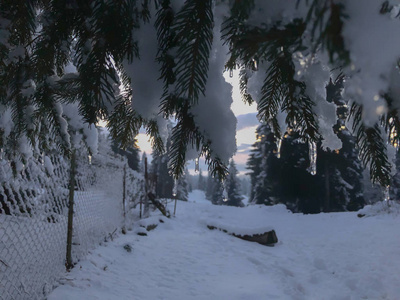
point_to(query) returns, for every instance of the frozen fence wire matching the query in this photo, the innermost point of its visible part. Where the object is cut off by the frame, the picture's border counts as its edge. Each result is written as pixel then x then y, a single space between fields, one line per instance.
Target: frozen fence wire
pixel 33 216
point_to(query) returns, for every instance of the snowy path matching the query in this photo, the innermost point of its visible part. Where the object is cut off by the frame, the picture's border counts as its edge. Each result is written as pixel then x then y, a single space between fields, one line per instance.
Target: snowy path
pixel 325 256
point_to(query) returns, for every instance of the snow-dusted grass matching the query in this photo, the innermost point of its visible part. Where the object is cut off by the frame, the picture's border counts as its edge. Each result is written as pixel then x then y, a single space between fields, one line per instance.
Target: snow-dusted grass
pixel 324 256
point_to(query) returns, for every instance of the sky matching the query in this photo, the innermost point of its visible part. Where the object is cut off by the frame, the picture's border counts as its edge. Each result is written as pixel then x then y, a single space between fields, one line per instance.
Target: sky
pixel 247 123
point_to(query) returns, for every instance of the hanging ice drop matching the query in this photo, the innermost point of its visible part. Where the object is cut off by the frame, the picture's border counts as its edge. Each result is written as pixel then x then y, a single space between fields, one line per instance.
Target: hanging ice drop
pixel 313 157
pixel 387 193
pixel 196 165
pixel 278 151
pixel 230 73
pixel 90 159
pixel 224 195
pixel 175 188
pixel 255 64
pixel 1 153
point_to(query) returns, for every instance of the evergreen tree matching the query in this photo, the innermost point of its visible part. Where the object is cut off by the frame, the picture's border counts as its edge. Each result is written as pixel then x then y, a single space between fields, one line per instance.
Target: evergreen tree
pixel 182 189
pixel 232 187
pixel 209 186
pixel 337 184
pixel 163 181
pixel 201 185
pixel 189 180
pixel 297 188
pixel 217 192
pixel 246 185
pixel 345 189
pixel 262 163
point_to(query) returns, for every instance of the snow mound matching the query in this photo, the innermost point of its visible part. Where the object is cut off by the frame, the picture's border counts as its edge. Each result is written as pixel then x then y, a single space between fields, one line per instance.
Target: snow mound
pixel 321 256
pixel 243 221
pixel 381 208
pixel 198 196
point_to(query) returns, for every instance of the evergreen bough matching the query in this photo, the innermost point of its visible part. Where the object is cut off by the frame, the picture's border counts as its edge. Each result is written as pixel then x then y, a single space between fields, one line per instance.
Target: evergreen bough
pixel 40 38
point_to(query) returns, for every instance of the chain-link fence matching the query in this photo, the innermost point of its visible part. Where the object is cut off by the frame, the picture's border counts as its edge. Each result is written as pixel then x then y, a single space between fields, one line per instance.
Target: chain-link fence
pixel 34 203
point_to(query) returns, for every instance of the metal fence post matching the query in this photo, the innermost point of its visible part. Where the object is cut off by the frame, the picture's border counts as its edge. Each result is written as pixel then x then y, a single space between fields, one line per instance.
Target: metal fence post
pixel 69 265
pixel 123 200
pixel 146 187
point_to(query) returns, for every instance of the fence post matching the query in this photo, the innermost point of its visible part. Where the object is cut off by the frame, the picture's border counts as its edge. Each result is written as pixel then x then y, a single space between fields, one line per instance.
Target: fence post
pixel 69 265
pixel 146 200
pixel 123 200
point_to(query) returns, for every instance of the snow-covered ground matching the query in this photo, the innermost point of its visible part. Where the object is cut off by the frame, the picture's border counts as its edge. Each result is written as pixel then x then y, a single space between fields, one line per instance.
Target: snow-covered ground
pixel 324 256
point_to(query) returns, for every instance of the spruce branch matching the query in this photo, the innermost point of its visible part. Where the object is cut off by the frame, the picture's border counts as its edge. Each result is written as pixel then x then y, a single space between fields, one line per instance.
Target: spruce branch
pixel 233 27
pixel 300 114
pixel 112 23
pixel 123 123
pixel 156 140
pixel 22 18
pixel 51 48
pixel 243 80
pixel 372 147
pixel 326 31
pixel 170 104
pixel 216 167
pixel 272 91
pixel 97 83
pixel 187 133
pixel 241 9
pixel 281 91
pixel 391 121
pixel 166 41
pixel 194 30
pixel 49 113
pixel 264 44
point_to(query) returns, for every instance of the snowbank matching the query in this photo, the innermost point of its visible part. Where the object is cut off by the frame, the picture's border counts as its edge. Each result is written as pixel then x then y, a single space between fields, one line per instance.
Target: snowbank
pixel 324 256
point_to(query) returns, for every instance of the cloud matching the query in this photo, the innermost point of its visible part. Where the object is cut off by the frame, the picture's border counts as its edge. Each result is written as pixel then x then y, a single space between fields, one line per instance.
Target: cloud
pixel 247 120
pixel 246 136
pixel 244 148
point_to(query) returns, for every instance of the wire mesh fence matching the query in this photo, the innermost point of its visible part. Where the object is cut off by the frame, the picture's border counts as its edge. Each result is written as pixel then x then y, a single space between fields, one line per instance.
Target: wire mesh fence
pixel 34 215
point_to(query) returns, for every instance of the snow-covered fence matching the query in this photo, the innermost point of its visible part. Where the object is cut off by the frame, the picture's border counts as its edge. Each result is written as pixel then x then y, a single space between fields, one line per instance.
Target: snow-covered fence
pixel 34 213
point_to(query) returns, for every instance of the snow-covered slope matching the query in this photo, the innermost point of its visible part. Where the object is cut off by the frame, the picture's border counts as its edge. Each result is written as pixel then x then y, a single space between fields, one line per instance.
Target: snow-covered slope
pixel 324 256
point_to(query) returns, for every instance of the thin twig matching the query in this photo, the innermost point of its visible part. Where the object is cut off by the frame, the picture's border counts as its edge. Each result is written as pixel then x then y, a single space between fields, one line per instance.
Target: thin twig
pixel 4 263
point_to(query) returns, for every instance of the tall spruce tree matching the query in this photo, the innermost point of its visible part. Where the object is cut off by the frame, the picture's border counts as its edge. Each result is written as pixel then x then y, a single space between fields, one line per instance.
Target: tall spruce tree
pixel 209 186
pixel 217 192
pixel 342 164
pixel 201 183
pixel 232 187
pixel 262 163
pixel 163 181
pixel 182 188
pixel 297 187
